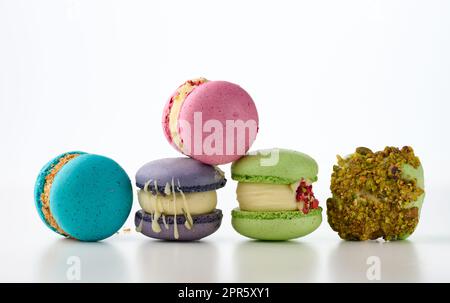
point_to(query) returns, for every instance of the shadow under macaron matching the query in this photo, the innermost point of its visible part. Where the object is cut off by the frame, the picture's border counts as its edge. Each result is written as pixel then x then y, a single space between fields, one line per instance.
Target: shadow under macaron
pixel 69 260
pixel 161 261
pixel 257 261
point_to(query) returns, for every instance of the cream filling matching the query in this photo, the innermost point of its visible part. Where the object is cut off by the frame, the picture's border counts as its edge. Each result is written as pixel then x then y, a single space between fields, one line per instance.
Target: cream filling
pixel 194 203
pixel 266 197
pixel 178 101
pixel 45 196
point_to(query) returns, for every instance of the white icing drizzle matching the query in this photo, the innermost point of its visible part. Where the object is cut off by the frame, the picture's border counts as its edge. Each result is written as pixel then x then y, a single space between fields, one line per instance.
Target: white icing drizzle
pixel 147 184
pixel 175 226
pixel 165 222
pixel 167 189
pixel 139 227
pixel 155 225
pixel 158 209
pixel 189 223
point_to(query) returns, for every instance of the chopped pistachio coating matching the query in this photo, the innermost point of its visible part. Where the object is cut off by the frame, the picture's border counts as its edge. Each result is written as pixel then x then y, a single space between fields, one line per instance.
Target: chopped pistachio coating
pixel 372 198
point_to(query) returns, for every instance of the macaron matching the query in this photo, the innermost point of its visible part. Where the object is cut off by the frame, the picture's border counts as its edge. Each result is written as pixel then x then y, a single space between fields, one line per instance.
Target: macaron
pixel 83 196
pixel 214 122
pixel 178 199
pixel 274 191
pixel 376 194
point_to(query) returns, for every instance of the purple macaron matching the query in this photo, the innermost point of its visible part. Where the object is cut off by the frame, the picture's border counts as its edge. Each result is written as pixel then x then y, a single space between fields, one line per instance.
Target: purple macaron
pixel 178 199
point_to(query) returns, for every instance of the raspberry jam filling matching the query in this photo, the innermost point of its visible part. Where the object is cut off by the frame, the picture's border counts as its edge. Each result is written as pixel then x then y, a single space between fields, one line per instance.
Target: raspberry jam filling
pixel 305 197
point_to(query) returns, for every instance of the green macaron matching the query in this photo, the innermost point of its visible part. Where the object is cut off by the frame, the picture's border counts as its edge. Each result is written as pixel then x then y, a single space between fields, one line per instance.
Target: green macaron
pixel 277 166
pixel 275 195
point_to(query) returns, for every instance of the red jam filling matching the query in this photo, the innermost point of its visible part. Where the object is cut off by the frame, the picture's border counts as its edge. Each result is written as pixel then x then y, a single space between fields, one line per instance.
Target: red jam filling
pixel 305 197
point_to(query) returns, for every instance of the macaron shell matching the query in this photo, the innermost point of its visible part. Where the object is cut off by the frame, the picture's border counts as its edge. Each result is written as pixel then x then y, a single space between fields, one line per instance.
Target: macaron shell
pixel 275 226
pixel 188 174
pixel 91 197
pixel 40 183
pixel 219 101
pixel 204 225
pixel 275 166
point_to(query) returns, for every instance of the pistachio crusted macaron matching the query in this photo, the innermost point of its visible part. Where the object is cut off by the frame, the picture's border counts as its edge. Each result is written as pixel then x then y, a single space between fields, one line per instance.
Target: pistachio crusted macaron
pixel 275 196
pixel 376 194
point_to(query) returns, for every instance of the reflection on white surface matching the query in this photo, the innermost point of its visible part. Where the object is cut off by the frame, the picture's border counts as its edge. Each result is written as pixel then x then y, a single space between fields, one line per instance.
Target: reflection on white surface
pixel 160 261
pixel 257 261
pixel 399 261
pixel 99 262
pixel 130 258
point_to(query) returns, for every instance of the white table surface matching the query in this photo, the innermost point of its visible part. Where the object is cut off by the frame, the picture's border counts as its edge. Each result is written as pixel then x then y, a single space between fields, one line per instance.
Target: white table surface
pixel 32 253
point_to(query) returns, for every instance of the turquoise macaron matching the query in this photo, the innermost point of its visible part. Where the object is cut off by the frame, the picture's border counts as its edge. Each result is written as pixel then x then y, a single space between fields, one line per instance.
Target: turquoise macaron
pixel 83 196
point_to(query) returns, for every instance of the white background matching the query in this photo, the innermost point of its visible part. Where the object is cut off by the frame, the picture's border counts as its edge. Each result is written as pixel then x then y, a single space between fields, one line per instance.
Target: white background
pixel 326 76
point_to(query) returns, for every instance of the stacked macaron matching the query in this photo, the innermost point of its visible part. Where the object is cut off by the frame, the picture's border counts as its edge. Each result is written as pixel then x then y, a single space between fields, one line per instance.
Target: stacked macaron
pixel 88 197
pixel 178 199
pixel 275 196
pixel 209 122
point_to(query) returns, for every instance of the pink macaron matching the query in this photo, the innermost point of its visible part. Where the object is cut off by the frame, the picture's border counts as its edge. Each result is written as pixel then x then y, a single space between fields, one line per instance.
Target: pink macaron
pixel 214 122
